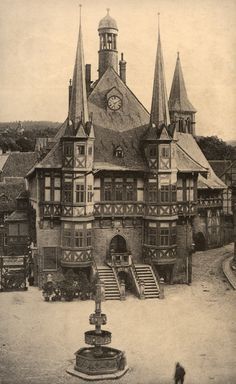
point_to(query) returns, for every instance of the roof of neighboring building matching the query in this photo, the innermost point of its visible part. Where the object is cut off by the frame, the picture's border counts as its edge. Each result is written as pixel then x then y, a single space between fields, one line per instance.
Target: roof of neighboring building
pixel 17 216
pixel 9 193
pixel 18 164
pixel 222 166
pixel 3 159
pixel 189 145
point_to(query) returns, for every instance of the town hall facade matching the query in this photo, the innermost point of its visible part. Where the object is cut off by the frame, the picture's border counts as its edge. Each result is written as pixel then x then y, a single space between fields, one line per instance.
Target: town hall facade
pixel 121 191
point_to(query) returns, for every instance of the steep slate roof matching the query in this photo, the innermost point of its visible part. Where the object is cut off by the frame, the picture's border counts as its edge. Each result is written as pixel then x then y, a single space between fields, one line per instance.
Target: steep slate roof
pixel 18 164
pixel 106 142
pixel 3 159
pixel 189 145
pixel 178 100
pixel 132 113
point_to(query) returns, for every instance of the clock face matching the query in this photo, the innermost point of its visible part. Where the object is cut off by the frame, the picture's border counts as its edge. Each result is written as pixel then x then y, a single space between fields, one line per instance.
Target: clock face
pixel 114 103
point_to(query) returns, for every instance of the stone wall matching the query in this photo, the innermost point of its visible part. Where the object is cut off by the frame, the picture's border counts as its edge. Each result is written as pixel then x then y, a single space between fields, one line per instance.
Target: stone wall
pixel 103 236
pixel 184 243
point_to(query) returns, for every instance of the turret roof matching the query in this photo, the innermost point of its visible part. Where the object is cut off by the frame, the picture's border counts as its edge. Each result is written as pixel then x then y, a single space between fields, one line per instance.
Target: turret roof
pixel 178 100
pixel 107 22
pixel 78 103
pixel 159 108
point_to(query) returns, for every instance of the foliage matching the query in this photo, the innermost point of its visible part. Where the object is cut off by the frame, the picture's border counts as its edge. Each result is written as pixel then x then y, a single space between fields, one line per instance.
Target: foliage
pixel 74 285
pixel 215 148
pixel 13 139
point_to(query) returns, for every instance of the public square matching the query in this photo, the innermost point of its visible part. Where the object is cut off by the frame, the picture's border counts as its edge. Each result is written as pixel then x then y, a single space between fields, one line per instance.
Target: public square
pixel 194 325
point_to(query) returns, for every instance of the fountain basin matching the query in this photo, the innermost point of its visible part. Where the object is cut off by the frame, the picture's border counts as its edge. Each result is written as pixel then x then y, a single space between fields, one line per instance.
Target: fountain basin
pixel 93 338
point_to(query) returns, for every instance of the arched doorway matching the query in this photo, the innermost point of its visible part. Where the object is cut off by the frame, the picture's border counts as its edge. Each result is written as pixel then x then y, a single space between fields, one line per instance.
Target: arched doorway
pixel 200 241
pixel 118 244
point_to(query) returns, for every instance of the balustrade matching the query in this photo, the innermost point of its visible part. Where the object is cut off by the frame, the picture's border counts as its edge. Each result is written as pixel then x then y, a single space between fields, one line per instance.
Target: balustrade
pixel 216 202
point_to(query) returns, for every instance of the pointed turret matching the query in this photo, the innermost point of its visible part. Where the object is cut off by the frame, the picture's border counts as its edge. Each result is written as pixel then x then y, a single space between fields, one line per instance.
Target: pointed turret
pixel 78 101
pixel 159 109
pixel 178 95
pixel 181 110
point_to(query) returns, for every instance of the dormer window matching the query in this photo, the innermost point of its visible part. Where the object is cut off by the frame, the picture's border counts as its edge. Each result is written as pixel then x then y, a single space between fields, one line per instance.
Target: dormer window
pixel 119 152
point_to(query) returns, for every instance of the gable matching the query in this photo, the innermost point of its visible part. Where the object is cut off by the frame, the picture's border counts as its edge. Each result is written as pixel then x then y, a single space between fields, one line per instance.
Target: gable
pixel 131 114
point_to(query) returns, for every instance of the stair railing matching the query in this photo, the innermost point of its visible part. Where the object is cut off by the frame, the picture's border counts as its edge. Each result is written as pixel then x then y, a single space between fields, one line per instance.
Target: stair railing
pixel 135 278
pixel 117 280
pixel 155 274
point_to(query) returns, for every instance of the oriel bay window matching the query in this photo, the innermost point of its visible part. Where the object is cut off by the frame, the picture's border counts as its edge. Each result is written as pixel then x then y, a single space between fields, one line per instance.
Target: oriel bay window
pixel 77 235
pixel 119 189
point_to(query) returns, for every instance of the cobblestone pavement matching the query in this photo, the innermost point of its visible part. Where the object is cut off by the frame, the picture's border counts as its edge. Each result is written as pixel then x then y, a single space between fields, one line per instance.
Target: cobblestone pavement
pixel 194 325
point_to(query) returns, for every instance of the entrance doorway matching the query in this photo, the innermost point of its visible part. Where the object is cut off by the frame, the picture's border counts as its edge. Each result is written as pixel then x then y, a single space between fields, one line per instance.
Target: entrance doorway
pixel 165 272
pixel 200 241
pixel 118 244
pixel 124 276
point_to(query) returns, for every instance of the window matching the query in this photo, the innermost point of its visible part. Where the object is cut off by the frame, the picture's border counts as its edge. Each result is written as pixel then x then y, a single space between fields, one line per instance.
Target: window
pixel 119 152
pixel 152 192
pixel 173 235
pixel 50 258
pixel 165 193
pixel 153 151
pixel 80 193
pixel 152 234
pixel 173 193
pixel 118 189
pixel 47 191
pixel 79 235
pixel 81 150
pixel 165 152
pixel 68 192
pixel 89 237
pixel 90 193
pixel 57 189
pixel 68 150
pixel 164 236
pixel 67 240
pixel 107 192
pixel 129 192
pixel 179 189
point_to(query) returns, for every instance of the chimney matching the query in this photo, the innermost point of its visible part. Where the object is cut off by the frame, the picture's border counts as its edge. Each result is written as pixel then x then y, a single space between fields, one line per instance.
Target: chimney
pixel 88 78
pixel 70 90
pixel 122 65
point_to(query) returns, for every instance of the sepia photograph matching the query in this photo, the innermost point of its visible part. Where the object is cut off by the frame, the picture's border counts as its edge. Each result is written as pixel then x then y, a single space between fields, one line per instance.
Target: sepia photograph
pixel 117 191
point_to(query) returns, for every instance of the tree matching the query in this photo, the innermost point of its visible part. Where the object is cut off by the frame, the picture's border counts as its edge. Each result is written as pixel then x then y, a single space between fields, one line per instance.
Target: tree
pixel 215 148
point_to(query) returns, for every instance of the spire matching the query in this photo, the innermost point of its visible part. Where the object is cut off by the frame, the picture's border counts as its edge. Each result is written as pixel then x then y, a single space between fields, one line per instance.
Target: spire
pixel 159 109
pixel 178 100
pixel 78 104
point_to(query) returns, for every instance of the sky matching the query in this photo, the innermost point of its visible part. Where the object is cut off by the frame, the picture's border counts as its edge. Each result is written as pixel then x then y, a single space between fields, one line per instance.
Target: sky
pixel 38 41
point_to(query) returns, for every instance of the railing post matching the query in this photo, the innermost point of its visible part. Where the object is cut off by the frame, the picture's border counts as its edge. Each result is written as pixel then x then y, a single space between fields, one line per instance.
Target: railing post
pixel 142 289
pixel 122 291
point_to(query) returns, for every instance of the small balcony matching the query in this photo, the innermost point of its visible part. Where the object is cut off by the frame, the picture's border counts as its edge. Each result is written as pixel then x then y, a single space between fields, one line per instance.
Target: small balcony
pixel 73 258
pixel 120 259
pixel 124 208
pixel 215 202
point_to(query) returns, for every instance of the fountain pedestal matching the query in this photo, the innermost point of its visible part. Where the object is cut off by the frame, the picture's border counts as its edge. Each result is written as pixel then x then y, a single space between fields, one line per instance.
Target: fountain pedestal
pixel 98 362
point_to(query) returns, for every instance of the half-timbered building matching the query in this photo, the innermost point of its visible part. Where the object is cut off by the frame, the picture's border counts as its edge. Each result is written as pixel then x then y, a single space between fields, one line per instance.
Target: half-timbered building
pixel 123 191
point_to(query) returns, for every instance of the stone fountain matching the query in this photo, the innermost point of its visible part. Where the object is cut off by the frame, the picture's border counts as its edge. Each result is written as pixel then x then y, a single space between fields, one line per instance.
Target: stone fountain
pixel 99 361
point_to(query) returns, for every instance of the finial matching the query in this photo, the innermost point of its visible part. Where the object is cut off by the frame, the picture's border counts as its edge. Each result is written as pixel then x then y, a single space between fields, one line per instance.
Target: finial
pixel 108 10
pixel 80 6
pixel 70 82
pixel 158 17
pixel 178 55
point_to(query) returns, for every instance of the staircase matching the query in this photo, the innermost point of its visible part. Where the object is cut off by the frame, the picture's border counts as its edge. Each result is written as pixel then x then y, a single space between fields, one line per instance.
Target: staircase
pixel 146 274
pixel 107 275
